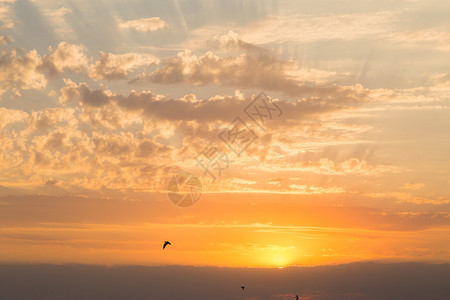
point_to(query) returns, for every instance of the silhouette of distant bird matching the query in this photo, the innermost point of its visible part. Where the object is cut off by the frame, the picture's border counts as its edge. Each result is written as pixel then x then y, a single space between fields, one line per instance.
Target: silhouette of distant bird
pixel 165 244
pixel 296 297
pixel 242 287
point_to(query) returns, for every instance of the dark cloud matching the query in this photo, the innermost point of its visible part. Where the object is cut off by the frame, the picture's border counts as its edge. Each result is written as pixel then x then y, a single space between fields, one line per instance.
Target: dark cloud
pixel 371 281
pixel 218 108
pixel 51 182
pixel 56 140
pixel 49 118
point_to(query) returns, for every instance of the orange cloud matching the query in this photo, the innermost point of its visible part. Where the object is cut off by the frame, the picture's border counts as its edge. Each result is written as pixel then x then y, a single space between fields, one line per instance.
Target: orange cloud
pixel 10 116
pixel 412 186
pixel 20 71
pixel 117 66
pixel 7 14
pixel 254 67
pixel 65 57
pixel 144 24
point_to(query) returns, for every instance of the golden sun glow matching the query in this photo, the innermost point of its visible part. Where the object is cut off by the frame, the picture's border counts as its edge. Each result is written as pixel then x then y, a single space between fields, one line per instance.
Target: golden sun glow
pixel 279 261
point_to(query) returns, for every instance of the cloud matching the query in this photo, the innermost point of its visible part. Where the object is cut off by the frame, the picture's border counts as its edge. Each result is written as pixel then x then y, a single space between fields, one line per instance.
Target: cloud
pixel 57 144
pixel 108 66
pixel 402 197
pixel 5 39
pixel 303 28
pixel 437 38
pixel 65 57
pixel 144 24
pixel 157 107
pixel 73 92
pixel 231 41
pixel 60 12
pixel 126 145
pixel 217 108
pixel 107 134
pixel 351 166
pixel 109 116
pixel 188 122
pixel 111 139
pixel 20 71
pixel 7 15
pixel 11 116
pixel 314 190
pixel 244 71
pixel 27 71
pixel 412 186
pixel 252 68
pixel 50 117
pixel 193 120
pixel 116 66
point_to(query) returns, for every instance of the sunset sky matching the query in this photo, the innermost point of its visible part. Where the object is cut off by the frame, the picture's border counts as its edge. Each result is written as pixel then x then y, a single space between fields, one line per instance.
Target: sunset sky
pixel 102 103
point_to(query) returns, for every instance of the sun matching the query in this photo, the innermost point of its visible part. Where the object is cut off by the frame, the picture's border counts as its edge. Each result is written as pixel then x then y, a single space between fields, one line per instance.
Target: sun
pixel 274 256
pixel 279 261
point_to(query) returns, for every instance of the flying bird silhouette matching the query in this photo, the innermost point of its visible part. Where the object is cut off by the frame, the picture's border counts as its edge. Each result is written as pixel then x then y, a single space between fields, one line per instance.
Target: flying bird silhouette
pixel 165 244
pixel 242 287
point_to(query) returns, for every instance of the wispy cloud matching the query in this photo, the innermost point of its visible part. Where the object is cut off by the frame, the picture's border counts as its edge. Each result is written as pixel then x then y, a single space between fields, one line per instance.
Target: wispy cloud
pixel 7 14
pixel 117 66
pixel 143 25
